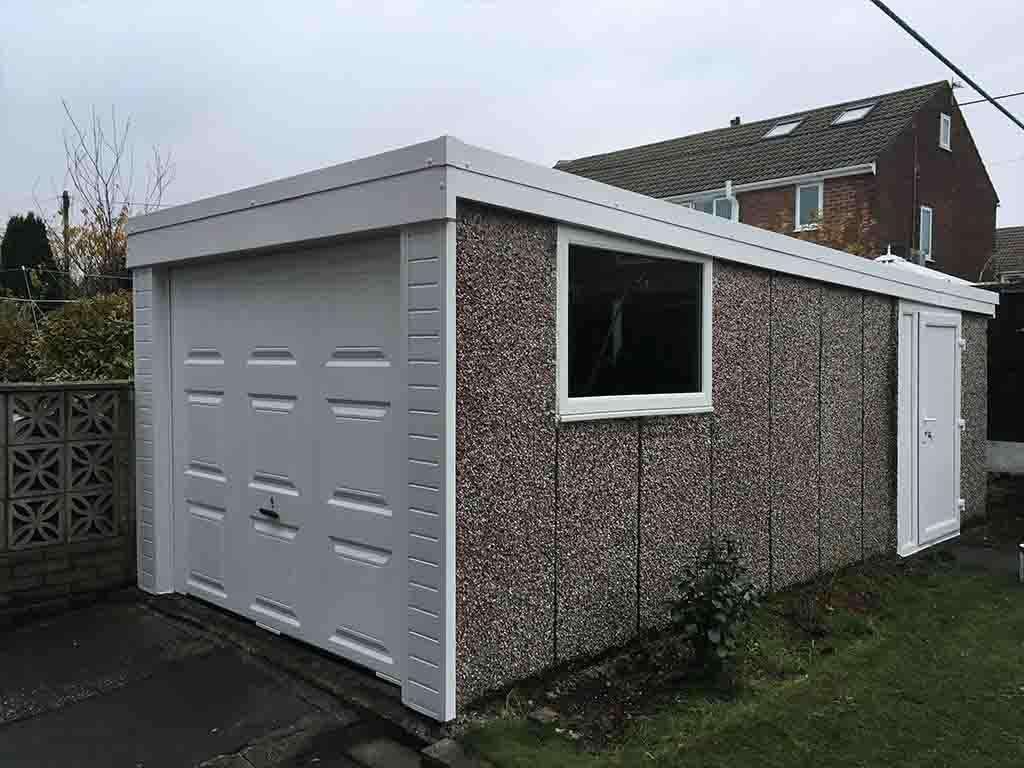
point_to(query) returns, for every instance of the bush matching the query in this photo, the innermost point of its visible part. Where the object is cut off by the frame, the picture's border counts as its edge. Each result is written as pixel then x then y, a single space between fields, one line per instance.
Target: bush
pixel 88 340
pixel 715 601
pixel 16 333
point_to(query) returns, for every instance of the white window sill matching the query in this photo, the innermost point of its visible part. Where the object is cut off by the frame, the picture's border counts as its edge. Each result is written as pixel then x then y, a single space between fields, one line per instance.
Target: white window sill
pixel 948 149
pixel 600 408
pixel 929 259
pixel 805 228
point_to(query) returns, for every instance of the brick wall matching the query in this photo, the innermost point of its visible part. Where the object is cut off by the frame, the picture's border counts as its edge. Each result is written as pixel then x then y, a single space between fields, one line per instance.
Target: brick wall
pixel 66 495
pixel 954 184
pixel 848 196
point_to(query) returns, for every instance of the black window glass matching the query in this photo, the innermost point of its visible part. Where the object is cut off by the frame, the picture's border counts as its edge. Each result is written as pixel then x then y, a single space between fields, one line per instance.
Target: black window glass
pixel 634 324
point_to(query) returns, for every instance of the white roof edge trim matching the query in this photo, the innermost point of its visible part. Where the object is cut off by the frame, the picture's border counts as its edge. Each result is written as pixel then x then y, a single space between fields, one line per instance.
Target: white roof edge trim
pixel 757 247
pixel 783 181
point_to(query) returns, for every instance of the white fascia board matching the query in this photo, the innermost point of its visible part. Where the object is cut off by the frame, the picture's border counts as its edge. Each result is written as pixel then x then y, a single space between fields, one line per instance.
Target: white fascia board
pixel 397 162
pixel 488 177
pixel 393 189
pixel 785 181
pixel 378 204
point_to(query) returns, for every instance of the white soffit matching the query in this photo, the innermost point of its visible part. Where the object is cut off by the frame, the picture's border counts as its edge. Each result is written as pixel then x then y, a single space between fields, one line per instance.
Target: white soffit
pixel 422 182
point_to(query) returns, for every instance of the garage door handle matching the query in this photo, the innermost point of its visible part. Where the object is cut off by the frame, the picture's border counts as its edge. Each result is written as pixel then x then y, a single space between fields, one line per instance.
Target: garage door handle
pixel 269 513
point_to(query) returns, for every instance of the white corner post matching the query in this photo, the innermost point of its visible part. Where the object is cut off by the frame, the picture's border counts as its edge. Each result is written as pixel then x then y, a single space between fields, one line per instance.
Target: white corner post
pixel 153 457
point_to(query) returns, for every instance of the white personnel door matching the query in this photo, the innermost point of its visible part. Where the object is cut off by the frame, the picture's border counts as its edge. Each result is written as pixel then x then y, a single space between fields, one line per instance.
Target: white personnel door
pixel 289 473
pixel 929 426
pixel 938 431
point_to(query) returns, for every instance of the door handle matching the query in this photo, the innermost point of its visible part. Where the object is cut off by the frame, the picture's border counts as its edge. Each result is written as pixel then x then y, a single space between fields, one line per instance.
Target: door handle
pixel 269 513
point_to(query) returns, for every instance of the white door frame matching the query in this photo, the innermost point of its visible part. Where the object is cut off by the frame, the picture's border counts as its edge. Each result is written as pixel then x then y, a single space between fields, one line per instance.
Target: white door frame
pixel 908 397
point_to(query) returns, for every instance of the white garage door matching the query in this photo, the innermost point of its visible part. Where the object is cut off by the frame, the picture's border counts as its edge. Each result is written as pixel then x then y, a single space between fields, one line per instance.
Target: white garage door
pixel 288 488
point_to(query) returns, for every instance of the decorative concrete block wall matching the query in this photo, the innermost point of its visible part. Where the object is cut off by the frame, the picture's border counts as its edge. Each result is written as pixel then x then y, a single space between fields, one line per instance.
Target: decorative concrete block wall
pixel 570 537
pixel 66 490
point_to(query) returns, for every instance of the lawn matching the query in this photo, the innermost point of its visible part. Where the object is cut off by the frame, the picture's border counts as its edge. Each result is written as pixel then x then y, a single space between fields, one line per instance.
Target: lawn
pixel 888 664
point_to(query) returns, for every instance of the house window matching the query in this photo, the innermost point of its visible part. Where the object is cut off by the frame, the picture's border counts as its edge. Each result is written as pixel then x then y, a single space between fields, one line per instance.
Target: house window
pixel 782 129
pixel 945 131
pixel 634 328
pixel 853 114
pixel 925 235
pixel 723 207
pixel 809 200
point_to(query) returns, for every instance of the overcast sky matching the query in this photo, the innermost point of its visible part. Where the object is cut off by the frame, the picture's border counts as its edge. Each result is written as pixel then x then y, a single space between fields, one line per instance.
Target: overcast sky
pixel 243 94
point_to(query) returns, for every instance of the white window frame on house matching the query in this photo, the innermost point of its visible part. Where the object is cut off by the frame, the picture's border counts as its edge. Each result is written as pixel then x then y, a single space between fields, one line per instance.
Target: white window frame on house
pixel 797 226
pixel 692 204
pixel 734 214
pixel 931 233
pixel 945 132
pixel 625 406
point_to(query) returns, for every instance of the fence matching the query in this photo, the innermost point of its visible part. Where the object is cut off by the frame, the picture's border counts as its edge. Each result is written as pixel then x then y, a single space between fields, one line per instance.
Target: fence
pixel 66 494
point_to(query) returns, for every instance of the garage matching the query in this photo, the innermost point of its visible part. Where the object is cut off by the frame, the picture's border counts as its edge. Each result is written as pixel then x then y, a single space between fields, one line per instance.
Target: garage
pixel 457 418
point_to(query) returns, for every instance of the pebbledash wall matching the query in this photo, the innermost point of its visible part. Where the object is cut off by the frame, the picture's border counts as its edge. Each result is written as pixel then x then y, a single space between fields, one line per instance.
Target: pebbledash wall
pixel 569 536
pixel 66 495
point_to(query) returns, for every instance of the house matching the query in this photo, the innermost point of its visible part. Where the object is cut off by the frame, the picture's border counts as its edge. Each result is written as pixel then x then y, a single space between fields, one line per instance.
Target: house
pixel 903 164
pixel 424 411
pixel 1006 354
pixel 1007 264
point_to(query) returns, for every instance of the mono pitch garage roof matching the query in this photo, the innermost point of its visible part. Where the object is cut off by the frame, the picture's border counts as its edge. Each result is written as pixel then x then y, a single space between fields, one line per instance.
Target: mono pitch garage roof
pixel 741 154
pixel 423 182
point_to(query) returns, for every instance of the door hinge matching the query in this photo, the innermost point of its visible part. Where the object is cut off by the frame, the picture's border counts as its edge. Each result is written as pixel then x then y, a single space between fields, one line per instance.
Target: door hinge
pixel 961 505
pixel 963 343
pixel 962 423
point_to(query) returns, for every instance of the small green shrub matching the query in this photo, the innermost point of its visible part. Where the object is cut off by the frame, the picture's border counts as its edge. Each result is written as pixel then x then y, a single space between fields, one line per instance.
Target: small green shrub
pixel 16 332
pixel 88 340
pixel 716 600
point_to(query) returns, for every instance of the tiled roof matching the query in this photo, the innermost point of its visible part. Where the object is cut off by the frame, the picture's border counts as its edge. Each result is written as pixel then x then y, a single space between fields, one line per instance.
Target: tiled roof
pixel 1009 253
pixel 706 160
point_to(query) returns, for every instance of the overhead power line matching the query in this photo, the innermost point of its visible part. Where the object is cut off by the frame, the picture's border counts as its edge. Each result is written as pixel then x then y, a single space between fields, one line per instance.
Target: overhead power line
pixel 997 98
pixel 63 272
pixel 935 52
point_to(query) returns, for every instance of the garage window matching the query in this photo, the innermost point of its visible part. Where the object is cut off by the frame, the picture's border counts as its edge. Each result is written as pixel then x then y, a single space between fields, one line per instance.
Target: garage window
pixel 634 329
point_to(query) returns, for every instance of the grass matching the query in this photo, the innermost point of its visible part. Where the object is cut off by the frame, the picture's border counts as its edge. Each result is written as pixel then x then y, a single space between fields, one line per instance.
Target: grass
pixel 887 665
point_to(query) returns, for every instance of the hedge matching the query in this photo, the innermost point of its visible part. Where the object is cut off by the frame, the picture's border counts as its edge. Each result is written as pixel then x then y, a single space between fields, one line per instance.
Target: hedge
pixel 87 340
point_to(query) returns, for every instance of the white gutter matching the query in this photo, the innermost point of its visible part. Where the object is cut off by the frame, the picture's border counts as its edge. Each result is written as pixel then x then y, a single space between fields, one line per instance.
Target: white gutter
pixel 783 181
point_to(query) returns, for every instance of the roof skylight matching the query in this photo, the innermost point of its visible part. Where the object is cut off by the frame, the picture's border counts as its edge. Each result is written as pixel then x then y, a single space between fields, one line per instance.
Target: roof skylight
pixel 853 114
pixel 782 129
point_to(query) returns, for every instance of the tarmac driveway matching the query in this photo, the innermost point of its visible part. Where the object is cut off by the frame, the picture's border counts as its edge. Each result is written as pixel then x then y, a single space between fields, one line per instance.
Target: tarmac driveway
pixel 120 684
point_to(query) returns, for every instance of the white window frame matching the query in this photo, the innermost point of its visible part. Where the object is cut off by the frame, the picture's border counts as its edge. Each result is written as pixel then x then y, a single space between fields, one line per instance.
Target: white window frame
pixel 931 233
pixel 692 205
pixel 626 406
pixel 735 208
pixel 946 126
pixel 797 226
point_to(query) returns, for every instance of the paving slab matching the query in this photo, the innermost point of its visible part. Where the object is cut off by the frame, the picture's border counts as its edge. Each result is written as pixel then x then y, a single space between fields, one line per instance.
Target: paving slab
pixel 53 663
pixel 186 711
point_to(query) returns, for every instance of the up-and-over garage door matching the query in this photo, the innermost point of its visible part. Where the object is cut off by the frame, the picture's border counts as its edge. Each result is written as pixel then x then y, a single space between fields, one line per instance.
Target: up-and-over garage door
pixel 288 488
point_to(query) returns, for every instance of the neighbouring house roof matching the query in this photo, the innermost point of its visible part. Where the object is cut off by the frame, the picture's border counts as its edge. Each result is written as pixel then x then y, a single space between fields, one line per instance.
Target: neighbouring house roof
pixel 1009 251
pixel 705 161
